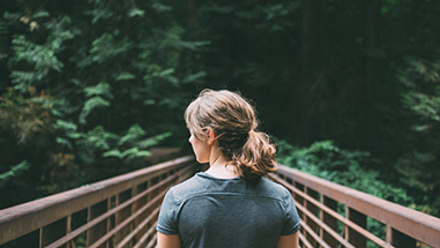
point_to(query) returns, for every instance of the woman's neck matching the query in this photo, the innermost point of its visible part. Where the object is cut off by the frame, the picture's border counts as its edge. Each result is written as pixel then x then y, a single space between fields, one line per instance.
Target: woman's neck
pixel 219 167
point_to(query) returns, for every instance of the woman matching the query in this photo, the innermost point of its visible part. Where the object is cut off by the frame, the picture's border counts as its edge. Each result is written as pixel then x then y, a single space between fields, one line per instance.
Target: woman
pixel 231 204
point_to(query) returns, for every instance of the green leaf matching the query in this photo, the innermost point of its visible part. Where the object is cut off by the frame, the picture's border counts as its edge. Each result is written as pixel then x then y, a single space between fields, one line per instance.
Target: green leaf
pixel 112 153
pixel 136 12
pixel 40 14
pixel 149 102
pixel 133 133
pixel 166 72
pixel 101 89
pixel 14 172
pixel 194 77
pixel 65 125
pixel 89 105
pixel 125 76
pixel 64 142
pixel 153 140
pixel 129 151
pixel 143 154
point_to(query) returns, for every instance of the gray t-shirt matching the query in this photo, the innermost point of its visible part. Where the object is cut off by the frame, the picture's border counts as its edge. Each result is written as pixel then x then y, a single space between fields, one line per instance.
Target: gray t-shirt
pixel 211 212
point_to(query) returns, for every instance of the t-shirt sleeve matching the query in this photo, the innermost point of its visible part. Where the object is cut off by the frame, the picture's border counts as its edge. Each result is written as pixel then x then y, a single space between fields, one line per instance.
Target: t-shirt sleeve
pixel 167 222
pixel 292 223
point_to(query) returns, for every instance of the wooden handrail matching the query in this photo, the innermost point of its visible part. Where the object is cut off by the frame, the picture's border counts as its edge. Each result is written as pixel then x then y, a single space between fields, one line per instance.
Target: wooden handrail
pixel 123 211
pixel 102 202
pixel 404 227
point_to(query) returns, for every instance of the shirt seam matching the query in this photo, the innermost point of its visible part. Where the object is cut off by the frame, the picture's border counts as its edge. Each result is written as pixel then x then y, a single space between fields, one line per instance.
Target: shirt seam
pixel 228 193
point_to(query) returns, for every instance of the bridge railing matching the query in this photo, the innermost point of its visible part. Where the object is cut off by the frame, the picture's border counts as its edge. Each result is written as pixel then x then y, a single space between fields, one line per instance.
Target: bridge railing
pixel 118 212
pixel 122 212
pixel 336 216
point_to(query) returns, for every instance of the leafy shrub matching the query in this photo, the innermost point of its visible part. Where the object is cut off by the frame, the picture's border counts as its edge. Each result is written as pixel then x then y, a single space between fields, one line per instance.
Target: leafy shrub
pixel 327 161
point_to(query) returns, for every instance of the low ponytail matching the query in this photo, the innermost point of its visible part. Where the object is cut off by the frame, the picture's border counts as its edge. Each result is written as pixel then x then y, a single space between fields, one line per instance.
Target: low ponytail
pixel 257 157
pixel 233 120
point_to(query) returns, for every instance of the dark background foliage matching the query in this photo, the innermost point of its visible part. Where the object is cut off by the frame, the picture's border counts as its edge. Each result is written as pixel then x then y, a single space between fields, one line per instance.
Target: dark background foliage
pixel 88 88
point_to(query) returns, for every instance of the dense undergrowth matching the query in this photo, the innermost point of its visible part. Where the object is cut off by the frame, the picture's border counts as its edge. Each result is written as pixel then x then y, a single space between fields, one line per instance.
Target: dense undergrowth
pixel 352 169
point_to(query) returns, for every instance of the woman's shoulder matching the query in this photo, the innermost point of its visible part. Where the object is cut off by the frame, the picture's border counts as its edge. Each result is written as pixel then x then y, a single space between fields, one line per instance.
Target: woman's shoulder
pixel 191 186
pixel 274 188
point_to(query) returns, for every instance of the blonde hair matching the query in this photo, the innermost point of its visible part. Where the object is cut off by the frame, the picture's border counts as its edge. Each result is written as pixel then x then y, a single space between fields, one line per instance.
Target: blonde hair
pixel 233 121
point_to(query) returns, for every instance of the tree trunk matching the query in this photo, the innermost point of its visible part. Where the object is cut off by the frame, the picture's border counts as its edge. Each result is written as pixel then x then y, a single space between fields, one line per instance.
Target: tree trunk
pixel 304 113
pixel 368 118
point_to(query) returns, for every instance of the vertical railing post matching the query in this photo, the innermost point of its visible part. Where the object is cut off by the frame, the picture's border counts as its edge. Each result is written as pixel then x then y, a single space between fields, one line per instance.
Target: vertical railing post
pixel 330 221
pixel 300 200
pixel 314 210
pixel 123 214
pixel 139 203
pixel 402 240
pixel 100 229
pixel 117 218
pixel 135 206
pixel 109 206
pixel 68 230
pixel 354 237
pixel 52 232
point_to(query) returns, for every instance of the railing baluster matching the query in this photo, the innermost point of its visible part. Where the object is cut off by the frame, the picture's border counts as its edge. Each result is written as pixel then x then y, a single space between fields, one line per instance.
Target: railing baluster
pixel 52 232
pixel 342 239
pixel 402 240
pixel 68 230
pixel 146 236
pixel 108 220
pixel 313 210
pixel 298 198
pixel 329 220
pixel 139 228
pixel 100 229
pixel 354 237
pixel 304 241
pixel 152 241
pixel 346 230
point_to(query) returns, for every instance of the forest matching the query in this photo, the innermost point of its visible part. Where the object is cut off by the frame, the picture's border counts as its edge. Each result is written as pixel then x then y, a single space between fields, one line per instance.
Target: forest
pixel 349 89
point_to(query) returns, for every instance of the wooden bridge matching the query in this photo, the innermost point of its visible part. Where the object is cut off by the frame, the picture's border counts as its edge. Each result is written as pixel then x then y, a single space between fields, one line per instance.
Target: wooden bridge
pixel 122 212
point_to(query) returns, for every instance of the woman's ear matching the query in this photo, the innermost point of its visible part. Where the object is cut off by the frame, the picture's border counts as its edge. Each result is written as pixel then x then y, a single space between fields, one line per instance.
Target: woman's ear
pixel 212 136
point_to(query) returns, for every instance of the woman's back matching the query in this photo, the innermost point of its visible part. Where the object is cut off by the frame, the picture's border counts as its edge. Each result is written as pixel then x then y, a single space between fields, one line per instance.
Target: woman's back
pixel 211 212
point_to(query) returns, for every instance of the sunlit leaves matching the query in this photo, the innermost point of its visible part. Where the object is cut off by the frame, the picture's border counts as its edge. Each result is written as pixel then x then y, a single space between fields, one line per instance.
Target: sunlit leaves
pixel 135 140
pixel 133 133
pixel 90 104
pixel 96 99
pixel 136 12
pixel 40 56
pixel 101 89
pixel 107 46
pixel 325 160
pixel 125 76
pixel 14 172
pixel 129 153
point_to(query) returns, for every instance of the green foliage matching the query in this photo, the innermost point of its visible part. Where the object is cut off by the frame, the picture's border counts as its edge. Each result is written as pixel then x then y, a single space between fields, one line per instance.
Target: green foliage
pixel 95 99
pixel 42 58
pixel 25 117
pixel 325 160
pixel 420 167
pixel 15 171
pixel 135 139
pixel 91 87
